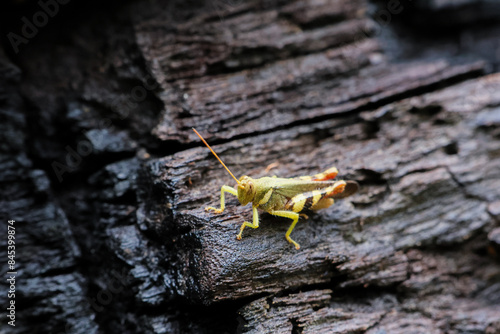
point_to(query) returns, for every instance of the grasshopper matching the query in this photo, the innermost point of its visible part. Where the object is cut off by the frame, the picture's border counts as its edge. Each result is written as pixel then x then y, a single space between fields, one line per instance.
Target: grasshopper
pixel 284 197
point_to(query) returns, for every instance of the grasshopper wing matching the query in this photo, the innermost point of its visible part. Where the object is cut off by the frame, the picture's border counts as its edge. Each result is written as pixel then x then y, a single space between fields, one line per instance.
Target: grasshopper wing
pixel 291 187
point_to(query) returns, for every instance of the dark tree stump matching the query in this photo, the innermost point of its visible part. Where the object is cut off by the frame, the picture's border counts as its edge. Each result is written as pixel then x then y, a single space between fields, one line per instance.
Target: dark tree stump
pixel 108 184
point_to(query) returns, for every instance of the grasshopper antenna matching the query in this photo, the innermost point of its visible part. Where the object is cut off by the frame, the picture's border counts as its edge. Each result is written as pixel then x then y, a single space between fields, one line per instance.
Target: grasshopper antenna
pixel 203 140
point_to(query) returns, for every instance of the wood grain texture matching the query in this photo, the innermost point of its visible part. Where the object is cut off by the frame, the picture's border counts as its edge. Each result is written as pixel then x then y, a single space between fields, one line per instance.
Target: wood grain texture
pixel 415 193
pixel 227 80
pixel 120 242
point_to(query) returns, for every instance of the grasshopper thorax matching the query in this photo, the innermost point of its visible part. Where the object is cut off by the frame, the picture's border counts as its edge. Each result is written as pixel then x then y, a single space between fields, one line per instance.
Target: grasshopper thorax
pixel 246 190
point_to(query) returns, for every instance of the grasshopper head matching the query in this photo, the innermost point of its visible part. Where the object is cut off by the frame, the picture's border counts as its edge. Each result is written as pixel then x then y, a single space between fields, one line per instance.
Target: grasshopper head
pixel 246 190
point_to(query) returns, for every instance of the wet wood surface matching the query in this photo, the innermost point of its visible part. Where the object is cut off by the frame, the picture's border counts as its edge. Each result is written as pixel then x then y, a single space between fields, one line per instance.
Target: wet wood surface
pixel 119 240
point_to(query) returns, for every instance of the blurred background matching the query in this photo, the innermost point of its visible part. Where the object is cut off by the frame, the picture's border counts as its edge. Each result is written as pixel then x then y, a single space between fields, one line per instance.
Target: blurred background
pixel 106 181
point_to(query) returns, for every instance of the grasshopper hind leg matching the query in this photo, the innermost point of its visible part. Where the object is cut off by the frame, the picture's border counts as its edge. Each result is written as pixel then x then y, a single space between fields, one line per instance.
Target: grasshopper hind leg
pixel 322 204
pixel 292 215
pixel 328 174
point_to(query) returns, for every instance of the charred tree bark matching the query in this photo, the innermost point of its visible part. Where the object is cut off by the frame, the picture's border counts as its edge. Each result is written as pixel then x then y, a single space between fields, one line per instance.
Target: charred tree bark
pixel 107 183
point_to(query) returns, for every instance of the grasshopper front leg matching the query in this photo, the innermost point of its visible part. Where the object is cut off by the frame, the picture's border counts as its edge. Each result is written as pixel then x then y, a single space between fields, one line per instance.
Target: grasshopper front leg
pixel 224 189
pixel 255 223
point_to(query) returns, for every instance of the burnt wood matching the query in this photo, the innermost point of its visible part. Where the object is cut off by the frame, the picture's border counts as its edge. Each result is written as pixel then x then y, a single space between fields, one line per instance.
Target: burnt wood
pixel 108 183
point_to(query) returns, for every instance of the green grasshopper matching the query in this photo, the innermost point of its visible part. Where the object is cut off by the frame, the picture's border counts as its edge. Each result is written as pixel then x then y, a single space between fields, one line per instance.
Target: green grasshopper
pixel 284 197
